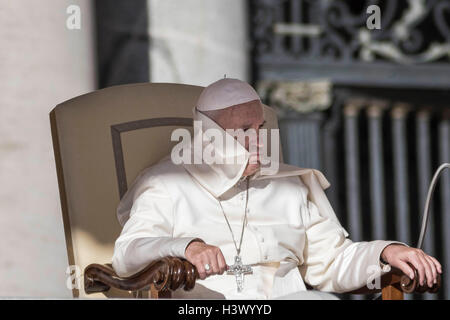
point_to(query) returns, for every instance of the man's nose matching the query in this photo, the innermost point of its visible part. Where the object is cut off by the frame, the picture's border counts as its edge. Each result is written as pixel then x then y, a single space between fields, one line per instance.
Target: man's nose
pixel 255 142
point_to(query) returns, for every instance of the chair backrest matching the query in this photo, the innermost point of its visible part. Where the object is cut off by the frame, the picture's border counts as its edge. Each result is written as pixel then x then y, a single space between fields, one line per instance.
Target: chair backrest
pixel 102 140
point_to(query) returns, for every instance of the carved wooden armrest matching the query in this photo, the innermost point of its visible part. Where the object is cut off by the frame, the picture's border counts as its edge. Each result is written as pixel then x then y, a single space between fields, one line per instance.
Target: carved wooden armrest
pixel 170 273
pixel 395 283
pixel 166 274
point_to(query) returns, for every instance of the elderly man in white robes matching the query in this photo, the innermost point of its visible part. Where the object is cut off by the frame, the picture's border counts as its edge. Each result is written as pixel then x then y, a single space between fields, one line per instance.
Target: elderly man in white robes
pixel 251 233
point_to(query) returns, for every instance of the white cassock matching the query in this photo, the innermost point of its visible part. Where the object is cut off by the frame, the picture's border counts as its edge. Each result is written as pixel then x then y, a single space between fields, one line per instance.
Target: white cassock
pixel 292 234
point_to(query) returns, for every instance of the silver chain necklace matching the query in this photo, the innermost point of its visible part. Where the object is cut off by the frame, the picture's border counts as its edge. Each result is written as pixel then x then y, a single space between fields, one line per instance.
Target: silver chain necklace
pixel 238 269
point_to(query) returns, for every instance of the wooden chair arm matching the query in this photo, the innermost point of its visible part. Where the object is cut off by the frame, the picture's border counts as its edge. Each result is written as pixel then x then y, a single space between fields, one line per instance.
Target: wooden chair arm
pixel 170 273
pixel 397 280
pixel 166 274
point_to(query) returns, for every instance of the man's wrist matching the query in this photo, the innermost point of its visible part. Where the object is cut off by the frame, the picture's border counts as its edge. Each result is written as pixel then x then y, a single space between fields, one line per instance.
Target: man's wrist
pixel 383 257
pixel 192 241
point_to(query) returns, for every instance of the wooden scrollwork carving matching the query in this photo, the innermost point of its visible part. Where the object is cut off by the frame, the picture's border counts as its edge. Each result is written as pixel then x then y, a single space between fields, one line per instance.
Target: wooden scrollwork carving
pixel 168 273
pixel 412 285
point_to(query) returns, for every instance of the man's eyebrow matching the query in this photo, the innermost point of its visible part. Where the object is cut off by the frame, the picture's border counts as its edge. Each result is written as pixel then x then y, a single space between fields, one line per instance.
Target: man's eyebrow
pixel 250 124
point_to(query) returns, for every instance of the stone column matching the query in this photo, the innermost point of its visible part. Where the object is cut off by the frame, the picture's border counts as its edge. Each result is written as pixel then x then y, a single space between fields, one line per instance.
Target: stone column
pixel 42 63
pixel 198 41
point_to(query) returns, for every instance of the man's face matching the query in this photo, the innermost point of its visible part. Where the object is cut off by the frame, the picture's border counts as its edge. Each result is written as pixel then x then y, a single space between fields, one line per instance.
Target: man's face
pixel 245 116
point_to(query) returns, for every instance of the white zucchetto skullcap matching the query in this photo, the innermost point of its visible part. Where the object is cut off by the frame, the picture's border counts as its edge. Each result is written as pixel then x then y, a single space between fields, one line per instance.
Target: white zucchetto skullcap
pixel 225 93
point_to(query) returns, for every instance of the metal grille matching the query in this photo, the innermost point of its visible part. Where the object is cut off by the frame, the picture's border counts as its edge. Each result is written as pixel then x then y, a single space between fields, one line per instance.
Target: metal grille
pixel 378 155
pixel 306 39
pixel 381 162
pixel 391 152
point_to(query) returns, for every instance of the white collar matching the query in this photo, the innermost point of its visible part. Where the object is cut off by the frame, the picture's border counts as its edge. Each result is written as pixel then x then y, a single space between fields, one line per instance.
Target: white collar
pixel 219 178
pixel 216 178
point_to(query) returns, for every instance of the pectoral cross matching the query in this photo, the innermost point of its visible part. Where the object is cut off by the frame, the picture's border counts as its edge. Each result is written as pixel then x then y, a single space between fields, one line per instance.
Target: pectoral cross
pixel 239 270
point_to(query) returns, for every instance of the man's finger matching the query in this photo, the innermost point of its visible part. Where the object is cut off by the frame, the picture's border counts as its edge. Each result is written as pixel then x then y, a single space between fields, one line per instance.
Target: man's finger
pixel 214 264
pixel 433 270
pixel 428 272
pixel 436 263
pixel 420 268
pixel 406 269
pixel 222 262
pixel 201 270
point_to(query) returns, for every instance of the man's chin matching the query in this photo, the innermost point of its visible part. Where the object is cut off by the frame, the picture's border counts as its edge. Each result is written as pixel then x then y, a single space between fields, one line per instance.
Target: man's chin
pixel 251 169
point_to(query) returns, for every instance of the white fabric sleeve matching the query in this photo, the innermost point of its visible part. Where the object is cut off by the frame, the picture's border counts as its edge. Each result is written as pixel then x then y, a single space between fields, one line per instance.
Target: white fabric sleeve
pixel 147 235
pixel 331 261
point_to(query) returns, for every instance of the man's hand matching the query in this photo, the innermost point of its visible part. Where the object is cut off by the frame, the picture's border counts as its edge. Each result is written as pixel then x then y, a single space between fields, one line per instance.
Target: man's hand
pixel 199 254
pixel 399 256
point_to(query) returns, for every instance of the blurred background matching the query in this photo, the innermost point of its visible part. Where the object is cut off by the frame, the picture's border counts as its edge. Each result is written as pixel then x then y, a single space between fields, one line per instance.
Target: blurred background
pixel 369 107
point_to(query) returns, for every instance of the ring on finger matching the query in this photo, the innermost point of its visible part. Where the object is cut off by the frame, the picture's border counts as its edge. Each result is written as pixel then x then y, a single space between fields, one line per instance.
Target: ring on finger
pixel 207 267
